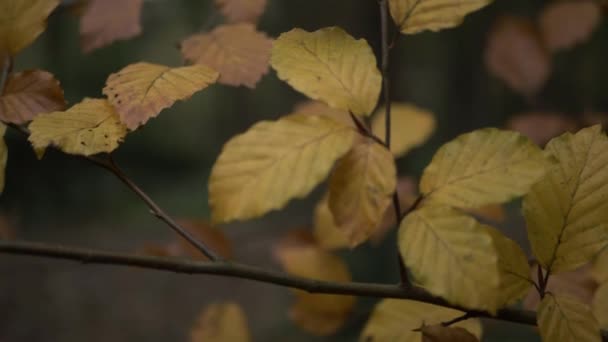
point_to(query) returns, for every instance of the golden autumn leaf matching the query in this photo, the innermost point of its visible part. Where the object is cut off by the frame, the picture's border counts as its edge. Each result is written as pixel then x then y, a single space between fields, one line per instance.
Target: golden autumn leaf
pixel 439 333
pixel 452 256
pixel 320 108
pixel 600 305
pixel 3 157
pixel 567 212
pixel 29 93
pixel 238 52
pixel 513 266
pixel 106 21
pixel 561 318
pixel 89 127
pixel 237 11
pixel 483 167
pixel 326 232
pixel 329 65
pixel 141 91
pixel 396 320
pixel 316 314
pixel 410 127
pixel 541 127
pixel 413 16
pixel 516 54
pixel 564 24
pixel 600 267
pixel 273 162
pixel 21 22
pixel 361 188
pixel 221 322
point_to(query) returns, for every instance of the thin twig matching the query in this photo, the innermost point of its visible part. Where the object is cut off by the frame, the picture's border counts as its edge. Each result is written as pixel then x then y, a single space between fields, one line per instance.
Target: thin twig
pixel 457 319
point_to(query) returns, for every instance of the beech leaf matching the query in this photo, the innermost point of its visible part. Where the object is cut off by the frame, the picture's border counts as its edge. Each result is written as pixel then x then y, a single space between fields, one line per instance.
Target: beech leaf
pixel 221 322
pixel 561 318
pixel 564 24
pixel 439 333
pixel 237 11
pixel 600 305
pixel 106 21
pixel 21 22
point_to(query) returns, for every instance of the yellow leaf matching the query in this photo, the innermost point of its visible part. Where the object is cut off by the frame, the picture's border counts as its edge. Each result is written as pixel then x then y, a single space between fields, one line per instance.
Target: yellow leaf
pixel 451 255
pixel 564 319
pixel 316 314
pixel 237 11
pixel 413 16
pixel 410 127
pixel 439 333
pixel 3 156
pixel 567 212
pixel 28 94
pixel 483 167
pixel 361 188
pixel 320 108
pixel 328 235
pixel 567 23
pixel 221 322
pixel 140 91
pixel 329 65
pixel 21 22
pixel 513 266
pixel 576 284
pixel 89 127
pixel 396 320
pixel 600 305
pixel 600 267
pixel 106 21
pixel 273 162
pixel 238 52
pixel 490 212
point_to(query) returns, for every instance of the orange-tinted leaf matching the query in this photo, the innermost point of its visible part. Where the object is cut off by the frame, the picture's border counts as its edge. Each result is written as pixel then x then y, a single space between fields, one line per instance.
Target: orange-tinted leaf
pixel 238 52
pixel 516 55
pixel 21 22
pixel 28 94
pixel 221 322
pixel 241 10
pixel 564 24
pixel 105 21
pixel 141 90
pixel 541 127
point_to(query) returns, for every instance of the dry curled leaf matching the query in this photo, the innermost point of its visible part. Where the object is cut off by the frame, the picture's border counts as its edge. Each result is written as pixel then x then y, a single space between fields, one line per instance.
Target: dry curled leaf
pixel 221 322
pixel 141 91
pixel 238 52
pixel 106 21
pixel 29 93
pixel 516 54
pixel 564 24
pixel 237 11
pixel 541 127
pixel 21 22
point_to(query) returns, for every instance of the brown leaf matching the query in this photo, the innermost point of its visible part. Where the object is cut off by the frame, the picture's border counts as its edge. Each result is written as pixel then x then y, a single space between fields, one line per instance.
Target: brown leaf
pixel 541 127
pixel 237 11
pixel 105 21
pixel 439 333
pixel 564 24
pixel 221 322
pixel 28 94
pixel 238 52
pixel 515 54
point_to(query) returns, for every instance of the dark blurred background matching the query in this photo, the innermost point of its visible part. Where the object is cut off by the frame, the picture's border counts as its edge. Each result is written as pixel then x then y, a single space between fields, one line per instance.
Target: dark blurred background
pixel 68 201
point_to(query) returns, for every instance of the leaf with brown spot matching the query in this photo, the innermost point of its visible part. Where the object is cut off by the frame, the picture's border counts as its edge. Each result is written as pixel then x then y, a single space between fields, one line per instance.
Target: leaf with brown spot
pixel 541 127
pixel 29 93
pixel 221 322
pixel 106 21
pixel 237 11
pixel 141 91
pixel 515 54
pixel 21 22
pixel 564 24
pixel 238 52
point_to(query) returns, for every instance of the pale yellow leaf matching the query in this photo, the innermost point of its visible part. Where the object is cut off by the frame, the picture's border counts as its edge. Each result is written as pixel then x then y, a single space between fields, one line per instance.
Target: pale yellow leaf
pixel 600 305
pixel 237 11
pixel 320 108
pixel 564 24
pixel 360 189
pixel 567 211
pixel 452 256
pixel 141 91
pixel 440 333
pixel 29 93
pixel 563 319
pixel 483 167
pixel 238 52
pixel 106 21
pixel 516 54
pixel 329 65
pixel 273 162
pixel 396 320
pixel 410 127
pixel 89 127
pixel 514 269
pixel 317 314
pixel 328 235
pixel 3 156
pixel 21 22
pixel 600 267
pixel 221 322
pixel 413 16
